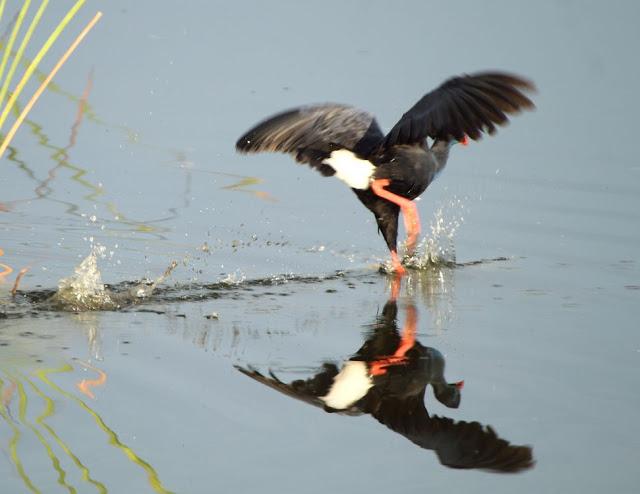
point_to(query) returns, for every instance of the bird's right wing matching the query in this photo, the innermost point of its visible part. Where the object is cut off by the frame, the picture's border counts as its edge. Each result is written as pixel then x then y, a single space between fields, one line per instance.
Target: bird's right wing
pixel 466 105
pixel 311 133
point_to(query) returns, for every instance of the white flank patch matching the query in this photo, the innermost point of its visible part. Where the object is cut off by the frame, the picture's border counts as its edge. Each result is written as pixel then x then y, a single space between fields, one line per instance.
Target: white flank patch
pixel 351 384
pixel 353 171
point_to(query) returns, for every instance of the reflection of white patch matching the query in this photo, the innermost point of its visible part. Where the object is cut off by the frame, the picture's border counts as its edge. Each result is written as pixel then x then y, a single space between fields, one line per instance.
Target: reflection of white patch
pixel 351 384
pixel 356 173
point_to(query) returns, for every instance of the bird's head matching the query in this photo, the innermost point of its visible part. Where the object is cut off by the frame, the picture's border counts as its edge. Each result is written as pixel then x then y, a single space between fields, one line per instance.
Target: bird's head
pixel 449 393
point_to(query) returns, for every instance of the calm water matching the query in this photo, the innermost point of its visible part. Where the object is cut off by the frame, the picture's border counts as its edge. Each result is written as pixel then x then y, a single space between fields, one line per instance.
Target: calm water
pixel 277 268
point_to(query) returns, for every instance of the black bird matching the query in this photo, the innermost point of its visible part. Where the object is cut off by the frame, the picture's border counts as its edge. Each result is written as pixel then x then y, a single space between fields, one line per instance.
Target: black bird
pixel 387 379
pixel 388 172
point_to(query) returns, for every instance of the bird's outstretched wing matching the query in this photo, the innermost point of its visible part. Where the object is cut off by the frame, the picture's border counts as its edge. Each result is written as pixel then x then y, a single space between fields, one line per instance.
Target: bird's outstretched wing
pixel 300 390
pixel 468 445
pixel 311 133
pixel 466 105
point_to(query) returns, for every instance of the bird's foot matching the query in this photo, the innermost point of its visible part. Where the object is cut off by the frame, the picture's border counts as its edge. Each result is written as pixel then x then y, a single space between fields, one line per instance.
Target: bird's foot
pixel 398 268
pixel 407 342
pixel 378 185
pixel 379 367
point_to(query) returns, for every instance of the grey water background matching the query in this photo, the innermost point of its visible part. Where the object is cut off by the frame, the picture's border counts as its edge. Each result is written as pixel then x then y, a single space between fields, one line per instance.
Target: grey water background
pixel 546 341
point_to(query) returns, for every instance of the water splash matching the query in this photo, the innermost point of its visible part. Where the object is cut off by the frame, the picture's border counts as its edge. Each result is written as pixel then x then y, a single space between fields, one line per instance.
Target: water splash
pixel 234 279
pixel 143 290
pixel 84 290
pixel 438 248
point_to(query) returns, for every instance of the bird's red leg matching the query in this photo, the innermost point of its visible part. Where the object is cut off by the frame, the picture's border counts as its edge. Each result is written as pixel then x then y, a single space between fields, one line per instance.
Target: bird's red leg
pixel 408 340
pixel 408 332
pixel 397 265
pixel 408 208
pixel 395 288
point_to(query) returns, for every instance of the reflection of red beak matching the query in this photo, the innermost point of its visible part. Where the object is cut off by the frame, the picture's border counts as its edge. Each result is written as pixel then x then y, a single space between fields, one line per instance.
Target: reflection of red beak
pixel 459 384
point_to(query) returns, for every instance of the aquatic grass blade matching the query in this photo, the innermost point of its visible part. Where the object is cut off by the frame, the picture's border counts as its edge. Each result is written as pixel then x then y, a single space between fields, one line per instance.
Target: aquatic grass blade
pixel 2 4
pixel 25 41
pixel 13 36
pixel 34 63
pixel 44 84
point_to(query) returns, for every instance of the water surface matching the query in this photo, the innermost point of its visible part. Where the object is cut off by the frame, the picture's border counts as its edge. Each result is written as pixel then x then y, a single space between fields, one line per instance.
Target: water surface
pixel 276 269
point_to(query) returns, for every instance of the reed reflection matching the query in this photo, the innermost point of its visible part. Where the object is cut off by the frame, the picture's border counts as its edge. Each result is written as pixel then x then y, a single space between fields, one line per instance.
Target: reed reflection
pixel 48 414
pixel 387 378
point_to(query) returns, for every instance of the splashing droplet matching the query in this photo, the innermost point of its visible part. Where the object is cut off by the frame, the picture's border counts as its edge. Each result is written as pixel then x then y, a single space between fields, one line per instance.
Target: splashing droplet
pixel 84 290
pixel 438 249
pixel 235 278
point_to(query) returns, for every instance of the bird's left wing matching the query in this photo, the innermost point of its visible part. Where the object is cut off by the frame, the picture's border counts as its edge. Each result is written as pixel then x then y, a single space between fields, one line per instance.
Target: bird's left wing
pixel 299 392
pixel 465 445
pixel 311 133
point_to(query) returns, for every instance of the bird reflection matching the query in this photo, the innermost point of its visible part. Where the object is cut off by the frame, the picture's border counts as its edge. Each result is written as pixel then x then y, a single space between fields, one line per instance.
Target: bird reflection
pixel 387 378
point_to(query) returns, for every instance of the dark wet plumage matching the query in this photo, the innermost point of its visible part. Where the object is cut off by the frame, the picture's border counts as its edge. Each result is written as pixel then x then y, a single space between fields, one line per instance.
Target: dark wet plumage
pixel 469 105
pixel 397 400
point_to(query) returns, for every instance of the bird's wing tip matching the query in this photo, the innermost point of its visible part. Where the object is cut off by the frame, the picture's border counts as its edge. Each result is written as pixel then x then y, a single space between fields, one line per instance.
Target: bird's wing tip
pixel 243 145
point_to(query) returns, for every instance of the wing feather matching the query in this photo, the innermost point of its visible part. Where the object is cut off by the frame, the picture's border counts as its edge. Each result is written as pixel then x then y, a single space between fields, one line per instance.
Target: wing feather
pixel 466 445
pixel 466 105
pixel 303 390
pixel 310 133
